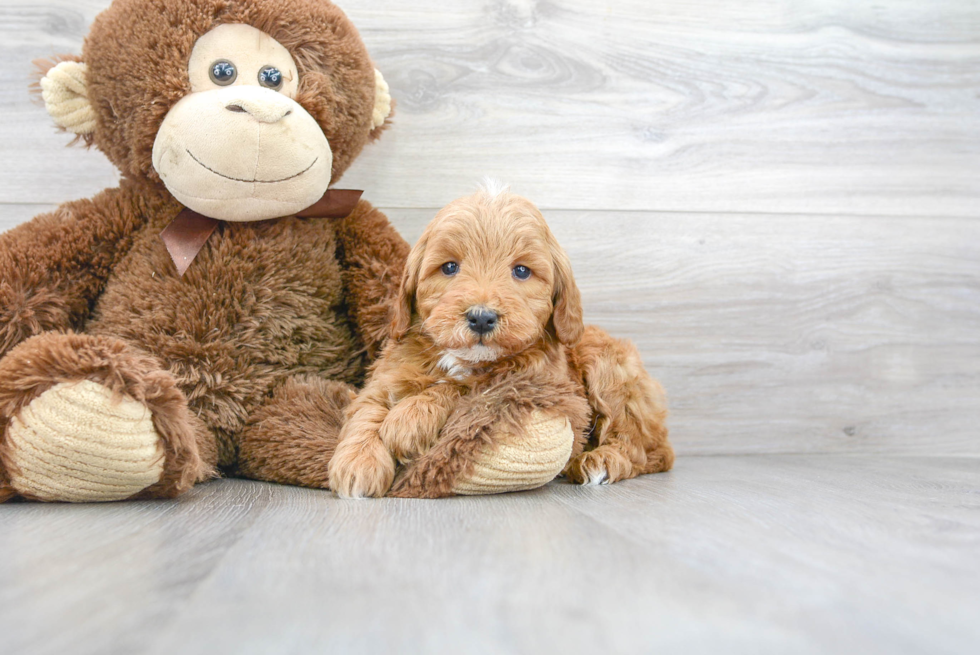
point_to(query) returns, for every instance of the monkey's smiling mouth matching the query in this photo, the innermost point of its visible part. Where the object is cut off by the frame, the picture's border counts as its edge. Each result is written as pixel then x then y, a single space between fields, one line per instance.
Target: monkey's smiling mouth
pixel 256 181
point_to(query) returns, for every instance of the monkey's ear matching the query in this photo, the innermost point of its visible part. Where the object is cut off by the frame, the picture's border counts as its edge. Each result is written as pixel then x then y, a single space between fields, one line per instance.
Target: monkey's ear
pixel 382 100
pixel 64 88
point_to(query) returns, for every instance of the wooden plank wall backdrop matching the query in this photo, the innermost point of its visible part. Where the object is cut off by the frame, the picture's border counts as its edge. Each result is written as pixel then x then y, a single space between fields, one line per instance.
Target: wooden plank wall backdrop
pixel 778 200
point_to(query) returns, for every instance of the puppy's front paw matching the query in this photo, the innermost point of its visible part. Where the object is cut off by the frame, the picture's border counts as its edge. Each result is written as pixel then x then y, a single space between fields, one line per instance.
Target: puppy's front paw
pixel 361 469
pixel 411 427
pixel 604 465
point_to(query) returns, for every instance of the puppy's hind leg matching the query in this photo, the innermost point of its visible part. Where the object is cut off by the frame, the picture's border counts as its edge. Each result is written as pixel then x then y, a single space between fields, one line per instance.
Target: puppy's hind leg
pixel 629 437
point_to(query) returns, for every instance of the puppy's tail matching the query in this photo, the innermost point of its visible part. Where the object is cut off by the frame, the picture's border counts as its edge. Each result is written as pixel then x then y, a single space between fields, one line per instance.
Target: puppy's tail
pixel 629 407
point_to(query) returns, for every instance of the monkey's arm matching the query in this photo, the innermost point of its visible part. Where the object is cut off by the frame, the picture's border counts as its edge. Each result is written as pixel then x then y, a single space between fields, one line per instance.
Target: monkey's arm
pixel 372 256
pixel 53 267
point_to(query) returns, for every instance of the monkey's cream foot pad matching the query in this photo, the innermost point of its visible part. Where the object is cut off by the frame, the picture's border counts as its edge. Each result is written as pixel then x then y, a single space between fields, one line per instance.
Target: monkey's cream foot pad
pixel 77 443
pixel 521 461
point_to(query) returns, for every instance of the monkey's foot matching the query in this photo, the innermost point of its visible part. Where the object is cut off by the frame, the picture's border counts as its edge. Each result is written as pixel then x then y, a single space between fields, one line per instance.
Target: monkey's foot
pixel 76 442
pixel 87 418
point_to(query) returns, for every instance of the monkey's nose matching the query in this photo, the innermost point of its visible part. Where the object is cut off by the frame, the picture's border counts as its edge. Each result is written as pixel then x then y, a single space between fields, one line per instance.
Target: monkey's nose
pixel 481 320
pixel 263 110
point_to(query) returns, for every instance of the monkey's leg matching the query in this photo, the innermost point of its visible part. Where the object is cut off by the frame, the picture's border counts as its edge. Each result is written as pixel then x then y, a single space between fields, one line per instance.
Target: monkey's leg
pixel 291 438
pixel 517 434
pixel 86 418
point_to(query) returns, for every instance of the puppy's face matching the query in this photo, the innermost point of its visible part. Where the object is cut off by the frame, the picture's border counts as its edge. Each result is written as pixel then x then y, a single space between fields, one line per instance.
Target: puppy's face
pixel 488 279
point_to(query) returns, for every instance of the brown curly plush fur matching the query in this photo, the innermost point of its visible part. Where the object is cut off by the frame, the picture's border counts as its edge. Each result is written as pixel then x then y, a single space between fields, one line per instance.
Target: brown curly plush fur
pixel 268 314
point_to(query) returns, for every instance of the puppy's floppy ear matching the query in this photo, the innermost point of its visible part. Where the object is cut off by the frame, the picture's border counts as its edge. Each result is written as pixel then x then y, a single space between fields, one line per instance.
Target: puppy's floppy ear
pixel 401 309
pixel 567 314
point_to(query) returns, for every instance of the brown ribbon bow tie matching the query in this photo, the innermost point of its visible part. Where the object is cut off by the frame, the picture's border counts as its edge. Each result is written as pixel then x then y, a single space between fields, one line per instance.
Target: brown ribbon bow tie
pixel 187 234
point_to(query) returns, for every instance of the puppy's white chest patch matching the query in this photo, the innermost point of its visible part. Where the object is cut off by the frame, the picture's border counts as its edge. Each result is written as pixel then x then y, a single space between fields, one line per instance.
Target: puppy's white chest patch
pixel 454 368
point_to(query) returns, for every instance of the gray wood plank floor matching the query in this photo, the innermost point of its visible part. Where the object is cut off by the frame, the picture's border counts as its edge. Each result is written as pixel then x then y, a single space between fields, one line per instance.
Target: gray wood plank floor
pixel 756 554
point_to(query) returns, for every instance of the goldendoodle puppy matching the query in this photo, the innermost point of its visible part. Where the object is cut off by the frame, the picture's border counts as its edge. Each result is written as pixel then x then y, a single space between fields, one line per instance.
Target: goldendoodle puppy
pixel 489 327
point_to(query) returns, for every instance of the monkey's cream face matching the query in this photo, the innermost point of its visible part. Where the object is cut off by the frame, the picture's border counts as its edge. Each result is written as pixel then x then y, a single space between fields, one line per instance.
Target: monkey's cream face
pixel 239 147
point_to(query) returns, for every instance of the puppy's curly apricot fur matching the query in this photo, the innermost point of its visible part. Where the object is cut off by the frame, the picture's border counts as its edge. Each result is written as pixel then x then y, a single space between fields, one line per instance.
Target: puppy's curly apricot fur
pixel 487 329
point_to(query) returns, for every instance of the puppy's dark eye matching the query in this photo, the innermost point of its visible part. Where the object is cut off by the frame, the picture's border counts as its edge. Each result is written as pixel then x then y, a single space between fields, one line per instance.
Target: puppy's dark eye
pixel 223 72
pixel 450 268
pixel 522 272
pixel 270 77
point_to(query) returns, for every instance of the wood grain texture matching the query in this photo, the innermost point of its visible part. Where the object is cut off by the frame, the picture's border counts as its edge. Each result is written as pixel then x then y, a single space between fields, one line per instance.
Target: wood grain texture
pixel 761 554
pixel 766 105
pixel 787 334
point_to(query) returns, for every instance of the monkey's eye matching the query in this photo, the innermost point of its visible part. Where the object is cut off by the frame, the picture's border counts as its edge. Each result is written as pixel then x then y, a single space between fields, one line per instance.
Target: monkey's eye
pixel 450 268
pixel 223 72
pixel 270 77
pixel 522 272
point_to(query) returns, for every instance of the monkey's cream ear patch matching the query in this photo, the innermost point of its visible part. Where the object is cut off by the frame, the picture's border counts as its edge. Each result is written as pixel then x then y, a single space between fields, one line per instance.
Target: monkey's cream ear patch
pixel 65 92
pixel 382 100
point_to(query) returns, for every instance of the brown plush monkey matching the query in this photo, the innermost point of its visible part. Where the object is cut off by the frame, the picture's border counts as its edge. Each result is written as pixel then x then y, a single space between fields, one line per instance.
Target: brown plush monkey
pixel 131 367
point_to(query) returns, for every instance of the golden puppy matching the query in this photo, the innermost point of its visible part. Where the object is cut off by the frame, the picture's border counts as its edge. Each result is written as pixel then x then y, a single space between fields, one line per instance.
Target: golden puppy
pixel 487 328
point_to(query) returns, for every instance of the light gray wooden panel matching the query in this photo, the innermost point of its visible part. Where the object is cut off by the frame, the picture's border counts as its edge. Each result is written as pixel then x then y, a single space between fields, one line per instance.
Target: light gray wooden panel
pixel 790 333
pixel 760 554
pixel 35 164
pixel 14 215
pixel 110 574
pixel 829 554
pixel 777 106
pixel 786 333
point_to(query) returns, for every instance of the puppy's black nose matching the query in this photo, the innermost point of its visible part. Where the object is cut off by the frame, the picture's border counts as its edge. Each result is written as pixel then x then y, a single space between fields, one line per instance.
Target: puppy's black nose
pixel 482 320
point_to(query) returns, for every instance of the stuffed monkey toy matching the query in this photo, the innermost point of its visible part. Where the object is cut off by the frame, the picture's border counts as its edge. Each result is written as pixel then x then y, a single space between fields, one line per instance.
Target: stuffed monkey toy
pixel 212 312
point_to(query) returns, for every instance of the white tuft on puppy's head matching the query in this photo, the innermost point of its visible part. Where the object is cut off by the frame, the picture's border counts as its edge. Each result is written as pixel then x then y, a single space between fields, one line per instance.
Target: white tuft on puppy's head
pixel 491 189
